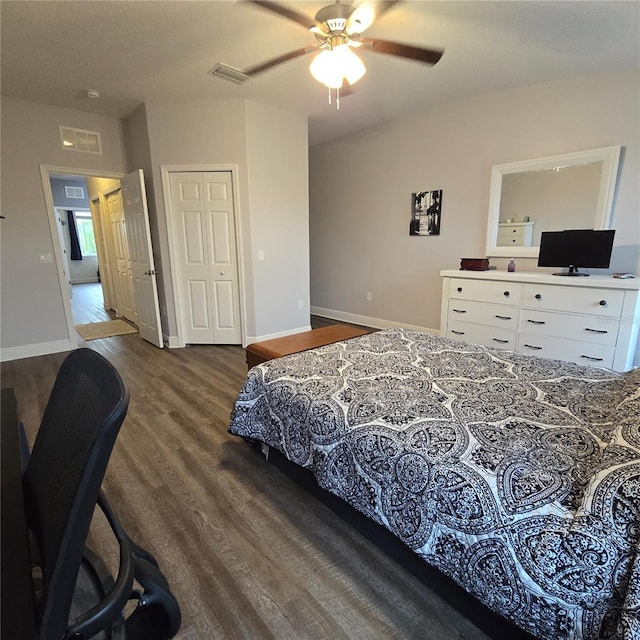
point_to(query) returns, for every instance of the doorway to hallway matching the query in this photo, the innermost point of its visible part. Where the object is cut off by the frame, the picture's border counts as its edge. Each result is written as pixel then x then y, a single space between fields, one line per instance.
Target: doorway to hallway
pixel 87 304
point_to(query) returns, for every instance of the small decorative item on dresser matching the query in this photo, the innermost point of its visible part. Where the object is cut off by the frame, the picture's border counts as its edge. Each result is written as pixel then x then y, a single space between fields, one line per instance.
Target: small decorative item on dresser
pixel 474 264
pixel 511 267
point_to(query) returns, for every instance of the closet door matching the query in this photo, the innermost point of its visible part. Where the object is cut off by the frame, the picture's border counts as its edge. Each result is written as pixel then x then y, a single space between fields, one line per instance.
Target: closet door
pixel 206 265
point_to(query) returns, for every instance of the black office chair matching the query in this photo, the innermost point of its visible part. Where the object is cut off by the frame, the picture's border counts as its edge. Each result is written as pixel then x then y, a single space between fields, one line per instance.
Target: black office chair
pixel 78 598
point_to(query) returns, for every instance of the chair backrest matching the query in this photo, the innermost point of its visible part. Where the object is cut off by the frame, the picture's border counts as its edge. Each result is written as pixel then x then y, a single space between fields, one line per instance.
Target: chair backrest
pixel 62 480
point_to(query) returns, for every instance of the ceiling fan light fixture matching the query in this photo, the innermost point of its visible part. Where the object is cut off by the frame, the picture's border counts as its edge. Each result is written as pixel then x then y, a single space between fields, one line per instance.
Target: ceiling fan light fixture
pixel 332 66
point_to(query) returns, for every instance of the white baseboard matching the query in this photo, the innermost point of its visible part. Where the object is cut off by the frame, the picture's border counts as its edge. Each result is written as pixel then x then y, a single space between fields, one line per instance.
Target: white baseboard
pixel 89 280
pixel 172 342
pixel 279 334
pixel 376 323
pixel 33 350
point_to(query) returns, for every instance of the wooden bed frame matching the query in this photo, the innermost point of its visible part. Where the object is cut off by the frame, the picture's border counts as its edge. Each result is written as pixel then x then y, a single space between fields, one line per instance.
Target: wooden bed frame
pixel 491 623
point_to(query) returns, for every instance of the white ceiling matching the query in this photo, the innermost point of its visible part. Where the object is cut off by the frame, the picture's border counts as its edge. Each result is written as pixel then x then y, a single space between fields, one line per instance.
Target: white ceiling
pixel 134 51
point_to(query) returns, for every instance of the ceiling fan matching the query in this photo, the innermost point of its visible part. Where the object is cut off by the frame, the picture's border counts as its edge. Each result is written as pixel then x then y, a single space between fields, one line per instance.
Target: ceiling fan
pixel 338 29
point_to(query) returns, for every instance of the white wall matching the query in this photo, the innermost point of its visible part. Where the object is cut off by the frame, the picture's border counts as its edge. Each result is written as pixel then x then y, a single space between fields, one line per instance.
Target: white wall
pixel 32 318
pixel 360 189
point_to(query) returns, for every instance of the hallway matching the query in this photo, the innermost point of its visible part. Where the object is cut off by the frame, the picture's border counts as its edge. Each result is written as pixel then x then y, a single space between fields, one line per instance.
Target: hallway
pixel 87 304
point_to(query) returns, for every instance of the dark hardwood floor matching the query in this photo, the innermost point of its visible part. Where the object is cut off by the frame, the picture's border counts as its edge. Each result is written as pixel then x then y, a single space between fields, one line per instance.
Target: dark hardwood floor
pixel 248 553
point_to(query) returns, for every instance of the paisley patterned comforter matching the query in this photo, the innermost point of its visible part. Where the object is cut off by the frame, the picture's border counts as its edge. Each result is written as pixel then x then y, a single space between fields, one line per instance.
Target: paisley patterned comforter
pixel 517 476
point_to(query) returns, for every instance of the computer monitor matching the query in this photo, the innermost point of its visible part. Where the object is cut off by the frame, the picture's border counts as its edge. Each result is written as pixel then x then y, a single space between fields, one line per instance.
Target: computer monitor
pixel 574 249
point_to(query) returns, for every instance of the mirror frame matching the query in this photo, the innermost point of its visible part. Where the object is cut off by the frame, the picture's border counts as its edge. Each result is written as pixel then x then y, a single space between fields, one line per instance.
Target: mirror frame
pixel 610 158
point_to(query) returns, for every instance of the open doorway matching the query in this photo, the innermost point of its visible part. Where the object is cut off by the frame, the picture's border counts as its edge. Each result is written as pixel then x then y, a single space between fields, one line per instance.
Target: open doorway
pixel 79 239
pixel 129 281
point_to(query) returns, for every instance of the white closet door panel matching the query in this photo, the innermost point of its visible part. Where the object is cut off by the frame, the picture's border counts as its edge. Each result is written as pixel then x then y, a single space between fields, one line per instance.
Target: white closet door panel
pixel 224 306
pixel 198 304
pixel 194 250
pixel 221 238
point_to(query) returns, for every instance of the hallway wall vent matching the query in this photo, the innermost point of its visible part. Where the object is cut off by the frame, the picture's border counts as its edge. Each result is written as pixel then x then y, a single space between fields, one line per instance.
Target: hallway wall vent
pixel 74 192
pixel 80 140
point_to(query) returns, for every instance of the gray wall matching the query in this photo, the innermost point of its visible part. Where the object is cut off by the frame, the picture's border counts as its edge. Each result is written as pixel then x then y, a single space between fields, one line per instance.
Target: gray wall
pixel 269 149
pixel 32 318
pixel 60 195
pixel 360 190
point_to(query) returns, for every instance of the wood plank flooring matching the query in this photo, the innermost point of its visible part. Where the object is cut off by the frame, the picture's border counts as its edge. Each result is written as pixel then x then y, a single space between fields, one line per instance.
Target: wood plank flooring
pixel 87 304
pixel 248 553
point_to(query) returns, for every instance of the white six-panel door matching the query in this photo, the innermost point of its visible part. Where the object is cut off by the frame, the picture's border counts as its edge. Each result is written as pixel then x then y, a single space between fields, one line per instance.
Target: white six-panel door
pixel 125 304
pixel 206 266
pixel 143 273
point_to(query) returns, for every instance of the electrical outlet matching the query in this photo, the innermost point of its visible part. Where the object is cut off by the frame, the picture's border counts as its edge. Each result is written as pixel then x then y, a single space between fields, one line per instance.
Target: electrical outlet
pixel 368 296
pixel 300 304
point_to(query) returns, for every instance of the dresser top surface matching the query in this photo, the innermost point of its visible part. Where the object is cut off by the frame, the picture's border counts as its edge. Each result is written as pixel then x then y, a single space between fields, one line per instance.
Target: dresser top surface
pixel 608 282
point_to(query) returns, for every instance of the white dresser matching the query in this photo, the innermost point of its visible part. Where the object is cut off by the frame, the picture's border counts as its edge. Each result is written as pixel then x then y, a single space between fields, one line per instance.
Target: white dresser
pixel 589 320
pixel 515 234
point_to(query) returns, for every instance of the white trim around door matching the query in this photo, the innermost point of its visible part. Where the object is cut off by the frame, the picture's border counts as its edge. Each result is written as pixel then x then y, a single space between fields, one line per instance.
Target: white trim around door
pixel 45 171
pixel 165 172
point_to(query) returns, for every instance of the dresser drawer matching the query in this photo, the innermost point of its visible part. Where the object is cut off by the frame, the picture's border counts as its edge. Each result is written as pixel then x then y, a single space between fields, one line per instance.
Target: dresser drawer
pixel 596 329
pixel 479 334
pixel 593 301
pixel 514 236
pixel 509 293
pixel 598 355
pixel 493 315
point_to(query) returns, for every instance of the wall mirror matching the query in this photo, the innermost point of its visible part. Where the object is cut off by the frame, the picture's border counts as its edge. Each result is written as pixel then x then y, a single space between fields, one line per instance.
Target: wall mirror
pixel 570 191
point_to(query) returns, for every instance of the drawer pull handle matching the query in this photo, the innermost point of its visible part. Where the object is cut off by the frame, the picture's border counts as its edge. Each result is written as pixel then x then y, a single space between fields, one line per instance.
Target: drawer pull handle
pixel 537 321
pixel 503 317
pixel 592 358
pixel 500 341
pixel 506 294
pixel 530 346
pixel 459 289
pixel 595 330
pixel 458 333
pixel 459 310
pixel 538 296
pixel 603 303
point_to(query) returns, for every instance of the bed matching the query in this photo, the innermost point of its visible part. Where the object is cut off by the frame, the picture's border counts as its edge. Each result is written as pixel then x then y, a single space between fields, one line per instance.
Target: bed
pixel 517 477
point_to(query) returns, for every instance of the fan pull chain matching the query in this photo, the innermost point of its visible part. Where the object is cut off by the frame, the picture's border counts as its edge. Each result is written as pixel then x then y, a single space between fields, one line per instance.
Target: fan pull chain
pixel 337 98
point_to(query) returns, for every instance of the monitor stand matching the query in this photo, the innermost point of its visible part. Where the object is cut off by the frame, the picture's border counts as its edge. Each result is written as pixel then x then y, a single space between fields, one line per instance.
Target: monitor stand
pixel 573 271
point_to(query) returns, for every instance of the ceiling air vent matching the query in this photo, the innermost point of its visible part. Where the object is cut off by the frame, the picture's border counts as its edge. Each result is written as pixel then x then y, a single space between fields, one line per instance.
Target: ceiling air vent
pixel 231 74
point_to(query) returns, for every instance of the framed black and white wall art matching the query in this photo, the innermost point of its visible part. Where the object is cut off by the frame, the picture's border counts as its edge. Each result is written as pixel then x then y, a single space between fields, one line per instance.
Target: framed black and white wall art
pixel 426 213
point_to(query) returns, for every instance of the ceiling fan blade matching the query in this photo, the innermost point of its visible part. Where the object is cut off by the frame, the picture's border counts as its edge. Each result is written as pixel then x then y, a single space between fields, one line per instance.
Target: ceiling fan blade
pixel 346 90
pixel 275 7
pixel 254 71
pixel 365 14
pixel 429 56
